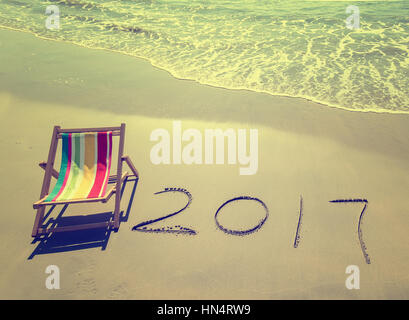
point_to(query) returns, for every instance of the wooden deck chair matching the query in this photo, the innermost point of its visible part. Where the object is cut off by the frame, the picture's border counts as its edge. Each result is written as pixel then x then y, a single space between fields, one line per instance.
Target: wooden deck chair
pixel 84 174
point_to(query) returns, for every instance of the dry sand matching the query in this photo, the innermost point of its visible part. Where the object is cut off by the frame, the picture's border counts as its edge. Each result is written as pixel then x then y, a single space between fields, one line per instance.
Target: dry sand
pixel 305 149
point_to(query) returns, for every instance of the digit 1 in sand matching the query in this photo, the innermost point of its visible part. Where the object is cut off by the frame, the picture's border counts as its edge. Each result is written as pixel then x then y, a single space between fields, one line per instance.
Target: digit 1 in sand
pixel 297 234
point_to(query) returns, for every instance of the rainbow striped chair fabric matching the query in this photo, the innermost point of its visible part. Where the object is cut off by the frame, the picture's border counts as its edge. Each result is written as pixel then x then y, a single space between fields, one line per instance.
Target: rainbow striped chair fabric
pixel 85 166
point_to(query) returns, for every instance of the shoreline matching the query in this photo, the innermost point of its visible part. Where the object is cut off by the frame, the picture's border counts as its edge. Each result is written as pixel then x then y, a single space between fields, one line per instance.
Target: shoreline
pixel 308 99
pixel 120 88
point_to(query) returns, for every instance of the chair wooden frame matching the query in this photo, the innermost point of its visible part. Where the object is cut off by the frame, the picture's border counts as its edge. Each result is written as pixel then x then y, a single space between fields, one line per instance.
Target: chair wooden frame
pixel 50 173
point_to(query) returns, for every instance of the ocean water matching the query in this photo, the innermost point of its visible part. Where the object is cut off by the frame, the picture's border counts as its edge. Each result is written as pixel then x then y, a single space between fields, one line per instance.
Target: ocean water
pixel 293 48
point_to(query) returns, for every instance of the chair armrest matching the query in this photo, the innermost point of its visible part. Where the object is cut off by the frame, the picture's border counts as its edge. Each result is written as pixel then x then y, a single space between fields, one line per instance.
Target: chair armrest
pixel 130 165
pixel 54 172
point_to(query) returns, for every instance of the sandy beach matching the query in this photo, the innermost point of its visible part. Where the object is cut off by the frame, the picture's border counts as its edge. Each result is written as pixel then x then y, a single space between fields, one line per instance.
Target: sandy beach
pixel 304 149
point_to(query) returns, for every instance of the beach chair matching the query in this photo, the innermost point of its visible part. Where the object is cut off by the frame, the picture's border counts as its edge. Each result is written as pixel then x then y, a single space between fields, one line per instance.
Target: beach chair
pixel 84 174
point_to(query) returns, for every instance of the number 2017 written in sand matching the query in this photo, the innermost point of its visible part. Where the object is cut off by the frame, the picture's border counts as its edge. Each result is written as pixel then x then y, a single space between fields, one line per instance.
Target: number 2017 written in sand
pixel 178 229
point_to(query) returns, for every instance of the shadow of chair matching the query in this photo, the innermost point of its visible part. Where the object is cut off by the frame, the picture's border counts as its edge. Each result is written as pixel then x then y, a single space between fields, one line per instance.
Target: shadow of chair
pixel 79 239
